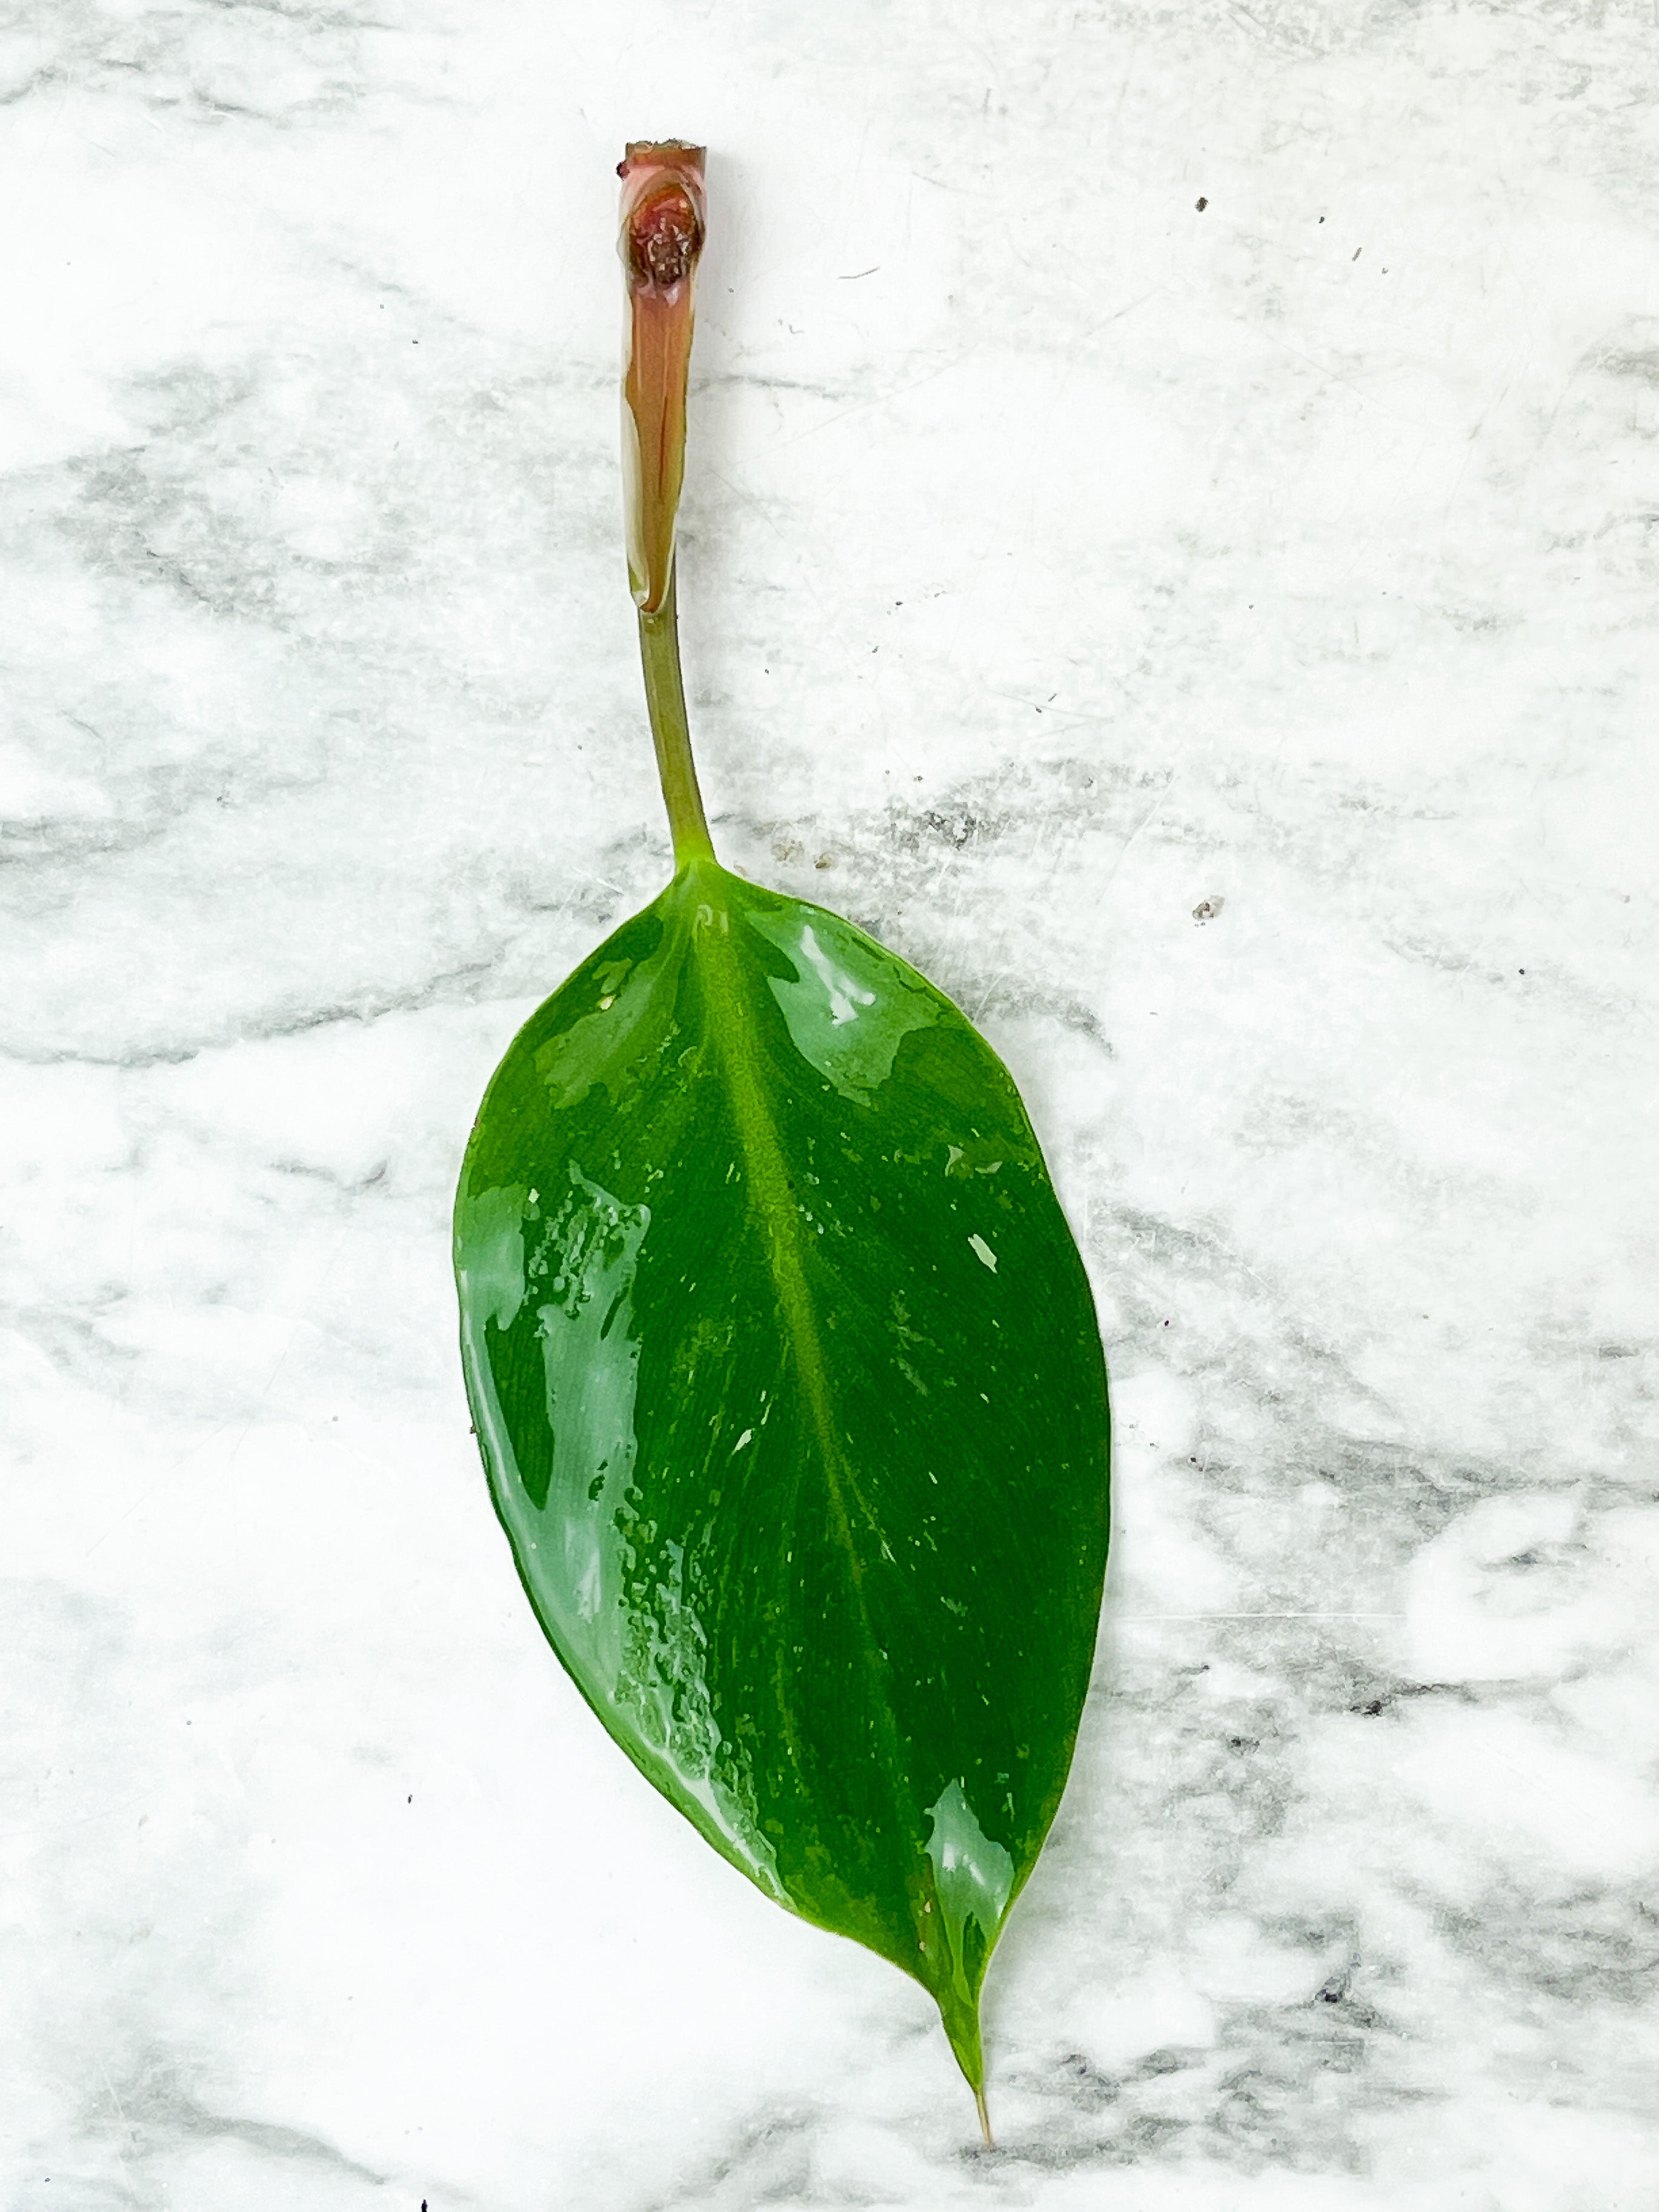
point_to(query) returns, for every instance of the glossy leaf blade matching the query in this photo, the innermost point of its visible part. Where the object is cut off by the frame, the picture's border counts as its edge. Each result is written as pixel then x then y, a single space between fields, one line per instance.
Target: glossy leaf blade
pixel 788 1384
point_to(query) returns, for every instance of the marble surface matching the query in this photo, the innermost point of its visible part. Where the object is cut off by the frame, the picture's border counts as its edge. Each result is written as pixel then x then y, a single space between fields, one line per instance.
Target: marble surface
pixel 1170 546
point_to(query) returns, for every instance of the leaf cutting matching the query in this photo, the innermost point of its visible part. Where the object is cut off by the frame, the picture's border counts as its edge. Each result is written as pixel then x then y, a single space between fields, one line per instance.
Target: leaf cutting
pixel 783 1360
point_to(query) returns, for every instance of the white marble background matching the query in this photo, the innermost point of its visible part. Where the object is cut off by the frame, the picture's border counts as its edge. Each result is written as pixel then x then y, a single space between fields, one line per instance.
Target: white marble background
pixel 1060 561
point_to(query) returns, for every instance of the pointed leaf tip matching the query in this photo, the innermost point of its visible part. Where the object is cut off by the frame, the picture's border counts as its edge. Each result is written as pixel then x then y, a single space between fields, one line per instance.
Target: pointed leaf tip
pixel 984 2119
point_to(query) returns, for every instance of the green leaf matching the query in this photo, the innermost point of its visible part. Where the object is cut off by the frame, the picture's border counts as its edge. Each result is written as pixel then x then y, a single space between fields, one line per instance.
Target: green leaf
pixel 787 1376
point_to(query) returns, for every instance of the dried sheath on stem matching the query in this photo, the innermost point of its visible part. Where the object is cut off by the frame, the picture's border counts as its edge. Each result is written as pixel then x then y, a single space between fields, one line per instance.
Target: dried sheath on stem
pixel 662 232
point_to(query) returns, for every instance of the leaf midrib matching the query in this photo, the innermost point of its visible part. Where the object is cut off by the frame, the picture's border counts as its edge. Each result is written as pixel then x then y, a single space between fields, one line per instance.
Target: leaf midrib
pixel 768 1176
pixel 713 948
